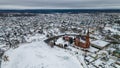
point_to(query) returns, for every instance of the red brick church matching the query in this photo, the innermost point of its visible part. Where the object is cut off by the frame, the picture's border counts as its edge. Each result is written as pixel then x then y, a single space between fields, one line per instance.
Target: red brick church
pixel 85 44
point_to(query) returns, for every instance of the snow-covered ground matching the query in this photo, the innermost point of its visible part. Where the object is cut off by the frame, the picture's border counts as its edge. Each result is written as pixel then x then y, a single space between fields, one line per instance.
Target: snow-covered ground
pixel 113 30
pixel 34 53
pixel 39 55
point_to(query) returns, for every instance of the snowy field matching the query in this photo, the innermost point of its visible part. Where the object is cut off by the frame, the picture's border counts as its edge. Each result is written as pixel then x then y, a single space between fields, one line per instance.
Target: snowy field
pixel 39 55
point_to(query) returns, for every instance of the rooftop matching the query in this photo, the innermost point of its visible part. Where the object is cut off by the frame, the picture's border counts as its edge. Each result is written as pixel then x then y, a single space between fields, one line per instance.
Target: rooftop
pixel 100 43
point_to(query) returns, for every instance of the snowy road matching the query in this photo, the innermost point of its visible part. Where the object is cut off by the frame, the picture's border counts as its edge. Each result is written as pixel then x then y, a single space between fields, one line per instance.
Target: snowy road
pixel 39 55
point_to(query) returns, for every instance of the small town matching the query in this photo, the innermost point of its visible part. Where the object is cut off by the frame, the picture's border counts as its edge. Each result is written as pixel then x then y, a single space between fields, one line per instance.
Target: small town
pixel 92 38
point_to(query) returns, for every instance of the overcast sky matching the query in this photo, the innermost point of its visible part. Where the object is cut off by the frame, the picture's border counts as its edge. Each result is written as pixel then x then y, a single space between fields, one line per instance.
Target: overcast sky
pixel 59 4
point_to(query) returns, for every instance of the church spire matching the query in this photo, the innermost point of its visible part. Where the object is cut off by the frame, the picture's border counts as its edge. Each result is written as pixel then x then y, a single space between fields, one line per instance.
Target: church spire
pixel 87 40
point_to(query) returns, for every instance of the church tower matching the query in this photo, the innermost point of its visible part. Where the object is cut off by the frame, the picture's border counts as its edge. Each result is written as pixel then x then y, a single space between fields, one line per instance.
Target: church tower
pixel 87 44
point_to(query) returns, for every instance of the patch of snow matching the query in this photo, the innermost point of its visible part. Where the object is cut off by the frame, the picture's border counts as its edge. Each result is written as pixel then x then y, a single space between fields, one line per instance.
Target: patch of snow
pixel 37 37
pixel 2 45
pixel 39 55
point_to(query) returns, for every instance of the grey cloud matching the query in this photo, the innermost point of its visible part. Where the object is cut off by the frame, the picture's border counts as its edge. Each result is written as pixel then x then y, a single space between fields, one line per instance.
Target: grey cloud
pixel 63 3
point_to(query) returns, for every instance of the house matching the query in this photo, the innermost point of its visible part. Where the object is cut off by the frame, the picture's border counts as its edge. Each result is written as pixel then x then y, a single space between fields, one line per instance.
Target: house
pixel 61 43
pixel 118 62
pixel 116 53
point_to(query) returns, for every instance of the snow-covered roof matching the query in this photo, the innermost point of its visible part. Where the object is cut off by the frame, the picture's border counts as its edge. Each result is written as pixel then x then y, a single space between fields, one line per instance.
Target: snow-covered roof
pixel 100 43
pixel 98 62
pixel 92 49
pixel 61 41
pixel 2 45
